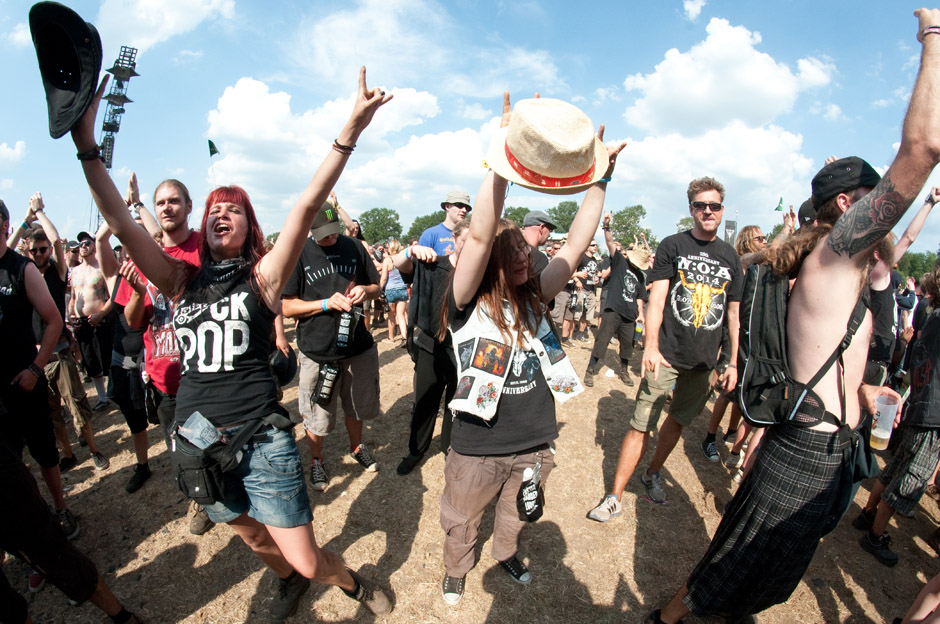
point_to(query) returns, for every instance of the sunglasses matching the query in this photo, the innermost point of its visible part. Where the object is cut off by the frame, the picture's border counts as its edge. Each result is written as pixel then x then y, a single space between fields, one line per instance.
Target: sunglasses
pixel 86 243
pixel 699 206
pixel 761 239
pixel 39 250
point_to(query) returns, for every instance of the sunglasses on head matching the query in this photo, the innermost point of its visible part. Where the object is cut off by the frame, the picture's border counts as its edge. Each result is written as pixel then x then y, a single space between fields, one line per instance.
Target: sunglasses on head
pixel 700 205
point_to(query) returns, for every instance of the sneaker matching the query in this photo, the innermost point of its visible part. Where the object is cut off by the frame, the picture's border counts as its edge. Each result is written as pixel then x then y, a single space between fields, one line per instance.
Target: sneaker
pixel 566 342
pixel 368 594
pixel 100 405
pixel 625 376
pixel 452 589
pixel 101 462
pixel 729 437
pixel 67 463
pixel 585 336
pixel 734 460
pixel 408 464
pixel 365 459
pixel 36 581
pixel 708 447
pixel 864 520
pixel 69 523
pixel 318 478
pixel 287 599
pixel 738 476
pixel 140 476
pixel 517 570
pixel 589 377
pixel 880 547
pixel 200 523
pixel 609 508
pixel 654 487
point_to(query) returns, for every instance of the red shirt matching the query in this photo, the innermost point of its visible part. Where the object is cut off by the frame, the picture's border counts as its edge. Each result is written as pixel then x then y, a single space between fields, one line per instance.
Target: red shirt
pixel 163 357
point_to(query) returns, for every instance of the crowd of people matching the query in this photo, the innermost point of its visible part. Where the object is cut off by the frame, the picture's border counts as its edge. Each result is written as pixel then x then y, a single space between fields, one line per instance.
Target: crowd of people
pixel 183 329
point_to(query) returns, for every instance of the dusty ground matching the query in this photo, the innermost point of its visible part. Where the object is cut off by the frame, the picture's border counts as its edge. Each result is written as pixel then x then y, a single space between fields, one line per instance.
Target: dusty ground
pixel 388 526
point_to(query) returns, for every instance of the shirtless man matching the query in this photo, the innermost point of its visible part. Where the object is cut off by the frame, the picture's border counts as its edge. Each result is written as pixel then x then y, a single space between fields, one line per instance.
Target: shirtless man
pixel 89 310
pixel 771 529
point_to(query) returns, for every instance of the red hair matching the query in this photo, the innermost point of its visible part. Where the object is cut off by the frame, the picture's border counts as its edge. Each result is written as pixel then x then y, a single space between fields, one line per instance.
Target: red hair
pixel 253 248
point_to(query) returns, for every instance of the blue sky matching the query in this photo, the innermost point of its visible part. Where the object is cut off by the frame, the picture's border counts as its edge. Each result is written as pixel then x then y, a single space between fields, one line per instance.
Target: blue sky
pixel 755 94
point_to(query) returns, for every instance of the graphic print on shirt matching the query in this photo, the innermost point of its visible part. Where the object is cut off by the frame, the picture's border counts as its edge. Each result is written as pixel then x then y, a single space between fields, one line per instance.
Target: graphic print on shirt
pixel 492 357
pixel 218 338
pixel 698 295
pixel 161 326
pixel 525 365
pixel 630 282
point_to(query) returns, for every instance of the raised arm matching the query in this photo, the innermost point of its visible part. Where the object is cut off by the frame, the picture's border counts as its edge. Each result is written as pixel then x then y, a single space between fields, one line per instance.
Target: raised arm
pixel 104 253
pixel 868 220
pixel 58 250
pixel 277 265
pixel 404 259
pixel 916 225
pixel 132 199
pixel 159 268
pixel 608 237
pixel 562 266
pixel 471 264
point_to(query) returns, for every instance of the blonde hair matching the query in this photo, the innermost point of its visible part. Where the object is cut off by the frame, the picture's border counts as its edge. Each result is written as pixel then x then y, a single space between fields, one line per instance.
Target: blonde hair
pixel 393 247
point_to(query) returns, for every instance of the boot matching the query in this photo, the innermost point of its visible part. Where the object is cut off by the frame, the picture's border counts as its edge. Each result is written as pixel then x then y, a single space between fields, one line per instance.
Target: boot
pixel 624 375
pixel 589 377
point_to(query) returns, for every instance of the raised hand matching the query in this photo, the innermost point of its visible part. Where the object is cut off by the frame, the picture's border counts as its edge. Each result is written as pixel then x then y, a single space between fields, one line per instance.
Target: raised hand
pixel 612 152
pixel 133 192
pixel 367 102
pixel 83 133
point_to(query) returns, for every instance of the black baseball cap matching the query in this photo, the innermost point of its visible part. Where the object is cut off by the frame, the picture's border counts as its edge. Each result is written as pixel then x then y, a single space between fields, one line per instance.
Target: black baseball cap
pixel 4 213
pixel 841 176
pixel 85 235
pixel 807 213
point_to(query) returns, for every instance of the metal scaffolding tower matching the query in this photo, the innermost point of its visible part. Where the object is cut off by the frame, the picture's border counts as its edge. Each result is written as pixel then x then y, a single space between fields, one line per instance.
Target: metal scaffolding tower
pixel 122 71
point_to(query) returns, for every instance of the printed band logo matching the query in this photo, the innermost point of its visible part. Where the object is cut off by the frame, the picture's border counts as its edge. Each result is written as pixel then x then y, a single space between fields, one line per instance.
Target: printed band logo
pixel 698 298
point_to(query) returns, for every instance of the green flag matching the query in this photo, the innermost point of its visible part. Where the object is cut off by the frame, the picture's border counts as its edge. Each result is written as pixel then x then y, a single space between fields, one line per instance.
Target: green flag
pixel 779 206
pixel 213 150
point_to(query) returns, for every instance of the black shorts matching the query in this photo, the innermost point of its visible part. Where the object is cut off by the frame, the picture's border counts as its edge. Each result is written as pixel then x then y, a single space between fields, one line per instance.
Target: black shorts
pixel 96 344
pixel 27 423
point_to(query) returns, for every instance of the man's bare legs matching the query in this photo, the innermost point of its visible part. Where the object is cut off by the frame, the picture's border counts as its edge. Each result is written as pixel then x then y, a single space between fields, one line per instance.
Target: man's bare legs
pixel 631 452
pixel 668 436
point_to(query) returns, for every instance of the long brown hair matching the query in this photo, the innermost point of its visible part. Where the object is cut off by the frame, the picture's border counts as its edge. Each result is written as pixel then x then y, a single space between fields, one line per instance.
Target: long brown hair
pixel 525 301
pixel 746 242
pixel 787 258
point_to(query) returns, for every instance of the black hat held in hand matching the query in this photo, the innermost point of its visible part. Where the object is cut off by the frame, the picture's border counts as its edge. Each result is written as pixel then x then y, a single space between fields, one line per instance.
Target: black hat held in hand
pixel 69 52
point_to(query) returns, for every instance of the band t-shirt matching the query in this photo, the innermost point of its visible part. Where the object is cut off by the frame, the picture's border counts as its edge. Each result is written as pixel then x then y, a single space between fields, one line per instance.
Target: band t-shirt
pixel 589 265
pixel 162 350
pixel 320 272
pixel 440 238
pixel 884 317
pixel 703 277
pixel 925 383
pixel 57 288
pixel 16 317
pixel 625 286
pixel 525 412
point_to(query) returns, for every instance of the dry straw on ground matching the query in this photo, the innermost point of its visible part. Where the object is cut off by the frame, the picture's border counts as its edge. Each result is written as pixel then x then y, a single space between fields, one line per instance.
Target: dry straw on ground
pixel 388 526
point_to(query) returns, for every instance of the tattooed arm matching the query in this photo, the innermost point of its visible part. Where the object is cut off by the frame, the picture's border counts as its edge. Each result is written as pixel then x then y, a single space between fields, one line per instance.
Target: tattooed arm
pixel 868 220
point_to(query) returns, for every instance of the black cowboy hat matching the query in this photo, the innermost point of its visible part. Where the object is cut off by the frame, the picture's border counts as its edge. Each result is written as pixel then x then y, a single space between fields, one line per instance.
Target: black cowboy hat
pixel 69 52
pixel 283 366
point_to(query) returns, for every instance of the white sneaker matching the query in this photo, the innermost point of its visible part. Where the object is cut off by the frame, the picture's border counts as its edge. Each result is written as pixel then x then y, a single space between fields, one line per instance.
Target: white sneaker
pixel 734 461
pixel 608 509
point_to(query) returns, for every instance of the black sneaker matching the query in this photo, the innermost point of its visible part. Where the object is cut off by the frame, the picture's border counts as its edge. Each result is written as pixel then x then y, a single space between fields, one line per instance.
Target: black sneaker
pixel 318 477
pixel 365 459
pixel 708 447
pixel 589 377
pixel 452 589
pixel 69 524
pixel 880 547
pixel 408 464
pixel 287 599
pixel 517 570
pixel 369 595
pixel 625 376
pixel 101 462
pixel 864 520
pixel 140 476
pixel 67 463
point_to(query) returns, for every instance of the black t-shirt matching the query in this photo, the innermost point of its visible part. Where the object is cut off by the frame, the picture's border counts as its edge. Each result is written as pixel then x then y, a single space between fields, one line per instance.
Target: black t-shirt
pixel 128 341
pixel 57 288
pixel 429 282
pixel 625 287
pixel 884 317
pixel 703 277
pixel 922 406
pixel 16 323
pixel 224 341
pixel 321 272
pixel 525 413
pixel 539 259
pixel 588 264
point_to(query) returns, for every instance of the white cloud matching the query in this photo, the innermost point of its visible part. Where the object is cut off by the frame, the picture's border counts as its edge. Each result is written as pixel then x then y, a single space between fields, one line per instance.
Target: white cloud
pixel 187 56
pixel 475 111
pixel 19 36
pixel 602 95
pixel 6 184
pixel 693 8
pixel 829 112
pixel 692 91
pixel 410 42
pixel 10 155
pixel 145 23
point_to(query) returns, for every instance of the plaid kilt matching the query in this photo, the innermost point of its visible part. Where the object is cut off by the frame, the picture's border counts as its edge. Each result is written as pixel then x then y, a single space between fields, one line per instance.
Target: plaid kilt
pixel 772 526
pixel 907 475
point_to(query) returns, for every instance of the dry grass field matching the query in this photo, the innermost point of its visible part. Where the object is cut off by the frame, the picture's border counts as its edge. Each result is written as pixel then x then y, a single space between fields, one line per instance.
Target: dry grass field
pixel 388 526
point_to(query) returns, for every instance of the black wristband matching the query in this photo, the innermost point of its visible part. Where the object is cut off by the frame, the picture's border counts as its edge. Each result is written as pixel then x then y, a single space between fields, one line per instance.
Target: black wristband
pixel 35 370
pixel 92 154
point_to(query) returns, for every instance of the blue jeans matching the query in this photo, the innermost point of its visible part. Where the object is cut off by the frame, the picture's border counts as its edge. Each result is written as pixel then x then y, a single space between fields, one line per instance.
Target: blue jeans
pixel 268 483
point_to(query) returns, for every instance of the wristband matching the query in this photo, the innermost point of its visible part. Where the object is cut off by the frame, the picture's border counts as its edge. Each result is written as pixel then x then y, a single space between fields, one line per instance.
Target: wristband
pixel 92 154
pixel 606 228
pixel 930 200
pixel 24 225
pixel 407 253
pixel 731 366
pixel 928 30
pixel 604 180
pixel 324 304
pixel 35 370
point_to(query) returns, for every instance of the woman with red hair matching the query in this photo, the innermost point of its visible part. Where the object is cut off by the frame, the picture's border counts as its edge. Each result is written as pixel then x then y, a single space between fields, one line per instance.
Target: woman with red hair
pixel 224 313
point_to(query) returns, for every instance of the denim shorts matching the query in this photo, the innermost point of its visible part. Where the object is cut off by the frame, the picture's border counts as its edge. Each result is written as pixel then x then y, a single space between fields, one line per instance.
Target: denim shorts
pixel 268 483
pixel 394 295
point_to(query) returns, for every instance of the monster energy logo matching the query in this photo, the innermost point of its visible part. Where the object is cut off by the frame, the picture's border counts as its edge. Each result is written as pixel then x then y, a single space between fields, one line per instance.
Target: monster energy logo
pixel 329 214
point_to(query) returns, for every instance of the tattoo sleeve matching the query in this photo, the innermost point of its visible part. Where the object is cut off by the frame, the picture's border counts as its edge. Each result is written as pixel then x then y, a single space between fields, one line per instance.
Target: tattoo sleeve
pixel 869 219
